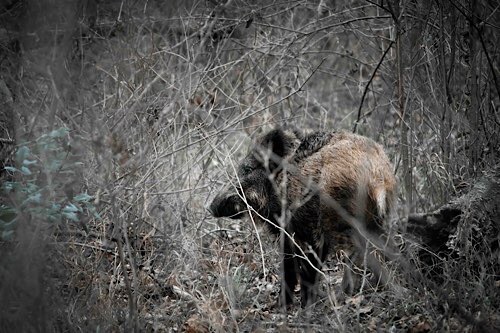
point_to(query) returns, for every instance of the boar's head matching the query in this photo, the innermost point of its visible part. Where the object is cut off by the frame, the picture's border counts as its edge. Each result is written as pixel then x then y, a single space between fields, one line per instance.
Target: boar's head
pixel 255 173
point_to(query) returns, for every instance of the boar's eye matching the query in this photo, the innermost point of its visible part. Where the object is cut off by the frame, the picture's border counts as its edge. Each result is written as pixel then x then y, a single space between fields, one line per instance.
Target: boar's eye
pixel 249 166
pixel 245 170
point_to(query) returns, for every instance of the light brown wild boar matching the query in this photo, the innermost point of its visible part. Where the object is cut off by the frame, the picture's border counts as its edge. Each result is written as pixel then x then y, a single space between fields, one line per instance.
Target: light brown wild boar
pixel 336 186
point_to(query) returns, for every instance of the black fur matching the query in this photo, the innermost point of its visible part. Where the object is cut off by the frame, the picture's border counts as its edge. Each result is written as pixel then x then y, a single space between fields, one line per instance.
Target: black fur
pixel 310 144
pixel 254 174
pixel 277 142
pixel 304 221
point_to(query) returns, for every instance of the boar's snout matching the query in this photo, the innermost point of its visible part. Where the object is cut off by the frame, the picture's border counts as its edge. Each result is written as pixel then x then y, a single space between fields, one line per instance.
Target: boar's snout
pixel 227 204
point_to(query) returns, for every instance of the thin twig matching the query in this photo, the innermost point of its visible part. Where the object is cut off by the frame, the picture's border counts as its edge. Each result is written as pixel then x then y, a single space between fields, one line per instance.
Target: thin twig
pixel 7 141
pixel 368 85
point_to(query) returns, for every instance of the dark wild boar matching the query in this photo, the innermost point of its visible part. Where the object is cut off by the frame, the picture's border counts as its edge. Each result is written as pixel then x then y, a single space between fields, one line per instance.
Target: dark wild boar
pixel 335 186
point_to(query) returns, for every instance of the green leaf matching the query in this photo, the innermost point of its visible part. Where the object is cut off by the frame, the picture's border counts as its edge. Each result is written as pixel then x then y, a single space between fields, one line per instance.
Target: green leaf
pixel 7 234
pixel 11 169
pixel 83 197
pixel 54 212
pixel 28 162
pixel 8 225
pixel 71 208
pixel 59 133
pixel 9 186
pixel 46 145
pixel 7 214
pixel 70 215
pixel 25 171
pixel 30 187
pixel 33 198
pixel 22 153
pixel 94 212
pixel 36 197
pixel 54 165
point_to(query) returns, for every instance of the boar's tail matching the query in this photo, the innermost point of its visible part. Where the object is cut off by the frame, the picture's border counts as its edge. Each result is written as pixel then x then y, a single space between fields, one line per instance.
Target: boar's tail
pixel 383 201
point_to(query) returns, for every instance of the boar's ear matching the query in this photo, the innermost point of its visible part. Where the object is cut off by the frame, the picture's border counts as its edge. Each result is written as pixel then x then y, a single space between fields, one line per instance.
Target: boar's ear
pixel 278 141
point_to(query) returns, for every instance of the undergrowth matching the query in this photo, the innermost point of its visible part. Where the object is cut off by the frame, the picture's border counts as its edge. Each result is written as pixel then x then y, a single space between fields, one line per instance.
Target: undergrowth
pixel 128 123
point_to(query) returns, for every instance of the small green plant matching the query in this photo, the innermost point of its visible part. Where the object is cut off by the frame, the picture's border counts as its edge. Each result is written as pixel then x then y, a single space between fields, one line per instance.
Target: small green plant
pixel 43 172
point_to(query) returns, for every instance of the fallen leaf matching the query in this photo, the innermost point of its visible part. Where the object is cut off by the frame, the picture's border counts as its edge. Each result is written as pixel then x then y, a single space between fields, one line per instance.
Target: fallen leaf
pixel 196 325
pixel 422 327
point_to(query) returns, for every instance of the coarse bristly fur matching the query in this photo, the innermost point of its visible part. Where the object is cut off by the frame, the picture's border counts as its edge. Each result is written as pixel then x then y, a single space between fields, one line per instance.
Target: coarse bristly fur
pixel 337 186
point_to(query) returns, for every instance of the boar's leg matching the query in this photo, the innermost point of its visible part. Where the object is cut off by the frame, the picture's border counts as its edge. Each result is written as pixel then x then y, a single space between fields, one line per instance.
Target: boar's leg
pixel 350 279
pixel 309 275
pixel 362 257
pixel 290 273
pixel 307 227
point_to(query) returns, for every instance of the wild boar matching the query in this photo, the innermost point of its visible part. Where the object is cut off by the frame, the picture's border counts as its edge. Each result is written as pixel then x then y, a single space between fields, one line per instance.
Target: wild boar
pixel 318 193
